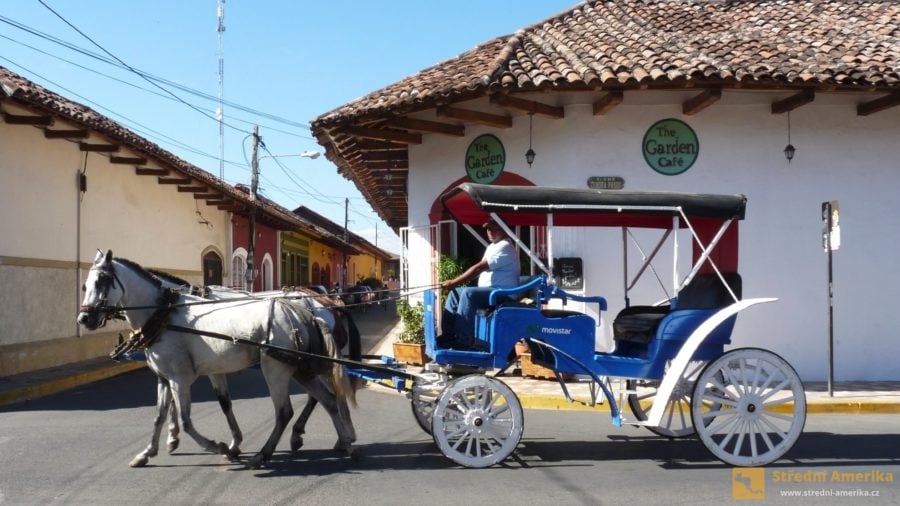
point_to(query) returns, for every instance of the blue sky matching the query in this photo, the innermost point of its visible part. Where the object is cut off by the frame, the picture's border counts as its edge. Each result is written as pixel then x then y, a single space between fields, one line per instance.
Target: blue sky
pixel 285 63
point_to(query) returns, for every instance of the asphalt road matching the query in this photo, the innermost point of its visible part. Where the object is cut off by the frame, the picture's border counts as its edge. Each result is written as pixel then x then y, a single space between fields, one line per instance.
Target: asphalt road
pixel 73 448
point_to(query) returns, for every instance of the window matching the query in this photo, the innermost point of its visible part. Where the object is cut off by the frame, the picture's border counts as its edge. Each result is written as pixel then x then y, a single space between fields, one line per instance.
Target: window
pixel 212 269
pixel 239 269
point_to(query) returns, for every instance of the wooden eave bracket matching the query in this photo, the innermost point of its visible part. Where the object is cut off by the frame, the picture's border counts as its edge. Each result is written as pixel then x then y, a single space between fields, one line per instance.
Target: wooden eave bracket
pixel 191 189
pixel 701 101
pixel 607 102
pixel 429 126
pixel 384 134
pixel 148 171
pixel 879 104
pixel 128 160
pixel 79 133
pixel 794 101
pixel 175 180
pixel 98 148
pixel 484 118
pixel 529 106
pixel 21 119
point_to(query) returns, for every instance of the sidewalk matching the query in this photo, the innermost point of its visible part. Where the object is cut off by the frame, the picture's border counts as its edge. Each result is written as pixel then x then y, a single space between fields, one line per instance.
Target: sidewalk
pixel 856 397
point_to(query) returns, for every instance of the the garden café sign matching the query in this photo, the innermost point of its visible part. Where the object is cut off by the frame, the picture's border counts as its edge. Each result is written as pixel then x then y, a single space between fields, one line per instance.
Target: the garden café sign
pixel 485 159
pixel 670 147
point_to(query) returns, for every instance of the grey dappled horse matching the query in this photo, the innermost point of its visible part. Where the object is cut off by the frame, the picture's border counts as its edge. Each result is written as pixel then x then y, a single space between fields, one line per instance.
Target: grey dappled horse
pixel 331 312
pixel 120 287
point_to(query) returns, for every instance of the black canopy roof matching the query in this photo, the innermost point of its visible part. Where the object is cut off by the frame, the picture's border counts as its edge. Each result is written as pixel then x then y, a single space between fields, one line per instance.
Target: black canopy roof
pixel 471 203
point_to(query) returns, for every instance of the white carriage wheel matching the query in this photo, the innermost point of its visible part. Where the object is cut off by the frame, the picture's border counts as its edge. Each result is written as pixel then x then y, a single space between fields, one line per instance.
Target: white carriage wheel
pixel 676 421
pixel 423 398
pixel 477 421
pixel 761 407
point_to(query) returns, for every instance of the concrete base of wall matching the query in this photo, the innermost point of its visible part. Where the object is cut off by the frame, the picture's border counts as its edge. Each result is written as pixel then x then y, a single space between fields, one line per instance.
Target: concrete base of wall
pixel 26 357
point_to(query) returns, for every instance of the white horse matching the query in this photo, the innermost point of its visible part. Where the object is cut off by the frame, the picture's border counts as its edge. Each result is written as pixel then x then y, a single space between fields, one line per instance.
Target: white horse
pixel 339 321
pixel 189 338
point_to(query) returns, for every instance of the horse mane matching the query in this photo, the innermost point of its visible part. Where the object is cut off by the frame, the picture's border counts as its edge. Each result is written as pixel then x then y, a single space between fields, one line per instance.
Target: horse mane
pixel 140 270
pixel 165 276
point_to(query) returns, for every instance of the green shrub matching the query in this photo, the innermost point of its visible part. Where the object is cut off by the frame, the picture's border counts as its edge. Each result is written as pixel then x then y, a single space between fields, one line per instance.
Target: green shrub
pixel 413 319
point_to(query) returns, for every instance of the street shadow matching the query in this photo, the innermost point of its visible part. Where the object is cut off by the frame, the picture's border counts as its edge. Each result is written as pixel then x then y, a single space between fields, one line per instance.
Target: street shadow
pixel 813 450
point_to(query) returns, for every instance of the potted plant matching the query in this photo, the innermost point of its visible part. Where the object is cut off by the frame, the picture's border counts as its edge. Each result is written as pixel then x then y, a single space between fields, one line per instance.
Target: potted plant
pixel 409 345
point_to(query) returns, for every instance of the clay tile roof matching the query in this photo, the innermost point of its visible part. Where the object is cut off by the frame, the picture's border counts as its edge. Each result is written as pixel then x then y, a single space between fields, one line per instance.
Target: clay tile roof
pixel 25 92
pixel 626 43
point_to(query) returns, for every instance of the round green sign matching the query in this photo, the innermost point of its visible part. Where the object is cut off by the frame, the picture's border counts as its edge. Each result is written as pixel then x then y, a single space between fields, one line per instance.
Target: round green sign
pixel 485 159
pixel 670 147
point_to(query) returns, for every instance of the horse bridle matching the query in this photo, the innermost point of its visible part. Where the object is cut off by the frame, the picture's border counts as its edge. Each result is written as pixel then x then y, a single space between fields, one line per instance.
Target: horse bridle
pixel 106 279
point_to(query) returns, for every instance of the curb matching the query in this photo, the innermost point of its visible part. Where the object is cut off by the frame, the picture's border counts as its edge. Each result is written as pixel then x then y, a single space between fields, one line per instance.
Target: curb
pixel 552 402
pixel 49 387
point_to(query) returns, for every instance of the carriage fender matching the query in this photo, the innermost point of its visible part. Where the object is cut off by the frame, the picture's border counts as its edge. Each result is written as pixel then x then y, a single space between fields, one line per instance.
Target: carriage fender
pixel 680 362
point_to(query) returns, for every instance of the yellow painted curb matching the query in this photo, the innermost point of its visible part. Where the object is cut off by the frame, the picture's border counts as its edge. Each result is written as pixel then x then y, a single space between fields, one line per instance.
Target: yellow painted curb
pixel 58 385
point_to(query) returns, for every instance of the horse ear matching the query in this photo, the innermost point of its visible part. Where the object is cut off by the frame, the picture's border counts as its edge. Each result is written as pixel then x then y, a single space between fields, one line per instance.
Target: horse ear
pixel 98 257
pixel 109 256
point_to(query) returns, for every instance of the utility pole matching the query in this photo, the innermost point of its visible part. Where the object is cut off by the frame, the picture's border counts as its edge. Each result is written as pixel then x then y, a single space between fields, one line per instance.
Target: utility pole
pixel 254 182
pixel 346 237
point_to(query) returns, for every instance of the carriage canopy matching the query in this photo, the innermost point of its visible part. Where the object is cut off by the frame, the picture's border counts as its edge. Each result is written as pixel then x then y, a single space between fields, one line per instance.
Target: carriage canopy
pixel 711 217
pixel 472 203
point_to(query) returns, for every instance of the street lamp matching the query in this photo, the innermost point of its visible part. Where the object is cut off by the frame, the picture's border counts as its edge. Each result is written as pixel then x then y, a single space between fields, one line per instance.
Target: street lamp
pixel 312 155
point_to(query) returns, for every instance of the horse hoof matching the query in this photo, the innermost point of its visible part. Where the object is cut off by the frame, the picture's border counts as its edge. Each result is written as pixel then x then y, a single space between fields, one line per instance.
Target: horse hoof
pixel 233 454
pixel 172 446
pixel 355 454
pixel 296 444
pixel 222 449
pixel 256 462
pixel 139 461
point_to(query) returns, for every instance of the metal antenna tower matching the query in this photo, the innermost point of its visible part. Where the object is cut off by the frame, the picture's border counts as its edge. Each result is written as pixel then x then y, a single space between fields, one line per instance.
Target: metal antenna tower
pixel 220 112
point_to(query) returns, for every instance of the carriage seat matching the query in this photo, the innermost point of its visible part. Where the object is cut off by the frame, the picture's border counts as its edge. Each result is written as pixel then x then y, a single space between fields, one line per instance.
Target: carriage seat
pixel 638 324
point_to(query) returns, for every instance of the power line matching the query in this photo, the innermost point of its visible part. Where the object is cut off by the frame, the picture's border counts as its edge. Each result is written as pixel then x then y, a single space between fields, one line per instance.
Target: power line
pixel 131 69
pixel 144 74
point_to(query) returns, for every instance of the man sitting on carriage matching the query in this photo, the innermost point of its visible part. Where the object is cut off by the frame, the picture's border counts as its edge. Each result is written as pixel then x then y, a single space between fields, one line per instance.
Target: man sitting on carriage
pixel 498 268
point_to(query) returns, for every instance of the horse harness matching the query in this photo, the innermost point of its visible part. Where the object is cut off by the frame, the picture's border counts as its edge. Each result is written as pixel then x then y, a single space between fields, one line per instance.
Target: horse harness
pixel 143 337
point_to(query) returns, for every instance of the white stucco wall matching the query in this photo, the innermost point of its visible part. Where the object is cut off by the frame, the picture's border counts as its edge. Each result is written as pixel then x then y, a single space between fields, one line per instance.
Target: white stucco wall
pixel 840 156
pixel 40 230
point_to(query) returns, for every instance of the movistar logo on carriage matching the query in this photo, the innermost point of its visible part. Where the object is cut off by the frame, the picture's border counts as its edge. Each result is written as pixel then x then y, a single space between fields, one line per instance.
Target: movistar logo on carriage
pixel 537 329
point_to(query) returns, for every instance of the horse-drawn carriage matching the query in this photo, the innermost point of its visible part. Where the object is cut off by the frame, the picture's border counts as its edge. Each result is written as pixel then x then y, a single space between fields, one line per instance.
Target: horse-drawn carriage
pixel 746 405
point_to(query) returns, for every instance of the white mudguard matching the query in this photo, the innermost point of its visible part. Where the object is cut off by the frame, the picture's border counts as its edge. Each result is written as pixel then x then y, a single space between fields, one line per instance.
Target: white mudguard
pixel 680 362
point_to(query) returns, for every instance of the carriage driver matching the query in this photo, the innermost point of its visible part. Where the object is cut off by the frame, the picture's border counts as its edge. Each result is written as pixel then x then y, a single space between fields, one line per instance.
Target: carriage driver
pixel 498 268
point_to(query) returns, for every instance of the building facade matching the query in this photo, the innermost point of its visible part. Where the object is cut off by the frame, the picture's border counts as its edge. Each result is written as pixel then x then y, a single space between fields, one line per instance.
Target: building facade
pixel 699 97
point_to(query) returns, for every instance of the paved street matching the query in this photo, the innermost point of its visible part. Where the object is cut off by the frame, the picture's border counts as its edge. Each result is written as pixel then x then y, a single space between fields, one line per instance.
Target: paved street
pixel 73 448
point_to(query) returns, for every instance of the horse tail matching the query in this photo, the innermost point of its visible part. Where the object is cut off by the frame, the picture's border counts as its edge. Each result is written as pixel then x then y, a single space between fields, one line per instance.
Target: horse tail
pixel 353 331
pixel 340 381
pixel 355 343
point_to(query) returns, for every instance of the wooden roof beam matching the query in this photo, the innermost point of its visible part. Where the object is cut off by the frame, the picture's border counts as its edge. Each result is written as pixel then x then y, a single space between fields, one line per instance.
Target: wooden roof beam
pixel 385 134
pixel 79 133
pixel 794 101
pixel 529 106
pixel 147 171
pixel 879 104
pixel 191 189
pixel 607 102
pixel 206 196
pixel 493 120
pixel 128 160
pixel 385 156
pixel 699 102
pixel 98 148
pixel 429 126
pixel 175 180
pixel 20 119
